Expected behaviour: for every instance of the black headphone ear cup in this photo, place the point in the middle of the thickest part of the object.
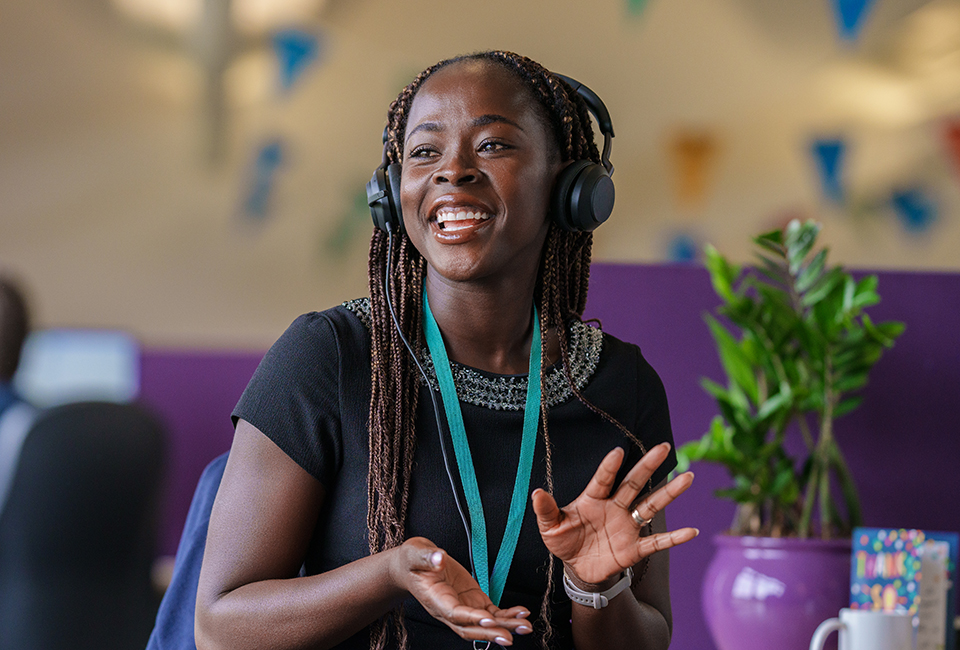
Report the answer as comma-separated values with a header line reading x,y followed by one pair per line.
x,y
393,174
584,196
383,192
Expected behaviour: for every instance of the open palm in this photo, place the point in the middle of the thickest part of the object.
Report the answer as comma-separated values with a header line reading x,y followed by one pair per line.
x,y
451,595
595,535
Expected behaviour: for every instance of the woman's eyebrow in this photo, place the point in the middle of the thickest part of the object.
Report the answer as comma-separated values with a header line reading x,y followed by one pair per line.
x,y
483,120
491,118
433,127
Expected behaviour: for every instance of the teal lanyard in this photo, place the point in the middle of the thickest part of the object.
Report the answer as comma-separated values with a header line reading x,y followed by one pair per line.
x,y
492,584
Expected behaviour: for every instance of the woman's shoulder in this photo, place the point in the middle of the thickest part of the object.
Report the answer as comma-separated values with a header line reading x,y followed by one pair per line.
x,y
315,337
349,319
625,356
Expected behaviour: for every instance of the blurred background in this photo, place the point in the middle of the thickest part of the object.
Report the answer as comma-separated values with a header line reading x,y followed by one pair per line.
x,y
179,179
192,171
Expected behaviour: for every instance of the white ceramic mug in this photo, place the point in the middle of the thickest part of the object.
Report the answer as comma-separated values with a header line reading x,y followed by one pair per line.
x,y
865,629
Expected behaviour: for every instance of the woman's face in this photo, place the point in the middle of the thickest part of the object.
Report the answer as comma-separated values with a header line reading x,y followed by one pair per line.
x,y
479,165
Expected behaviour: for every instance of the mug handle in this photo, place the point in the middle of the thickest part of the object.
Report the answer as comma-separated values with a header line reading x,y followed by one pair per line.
x,y
823,631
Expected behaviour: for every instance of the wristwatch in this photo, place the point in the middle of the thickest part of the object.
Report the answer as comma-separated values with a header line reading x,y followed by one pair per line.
x,y
596,599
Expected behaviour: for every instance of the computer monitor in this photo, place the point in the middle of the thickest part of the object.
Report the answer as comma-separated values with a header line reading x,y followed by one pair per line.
x,y
70,365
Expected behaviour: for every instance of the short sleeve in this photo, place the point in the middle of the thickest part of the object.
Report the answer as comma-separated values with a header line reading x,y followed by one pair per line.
x,y
643,408
653,416
293,396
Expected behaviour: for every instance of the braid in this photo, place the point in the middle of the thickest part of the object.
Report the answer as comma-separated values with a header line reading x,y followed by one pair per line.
x,y
561,294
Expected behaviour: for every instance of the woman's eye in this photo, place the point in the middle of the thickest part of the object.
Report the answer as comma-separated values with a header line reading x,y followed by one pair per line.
x,y
422,152
493,146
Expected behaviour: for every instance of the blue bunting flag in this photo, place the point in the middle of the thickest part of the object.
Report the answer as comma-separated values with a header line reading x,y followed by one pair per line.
x,y
682,248
915,208
296,50
829,154
850,15
269,158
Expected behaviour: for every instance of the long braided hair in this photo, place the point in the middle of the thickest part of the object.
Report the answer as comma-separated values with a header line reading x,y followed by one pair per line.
x,y
561,294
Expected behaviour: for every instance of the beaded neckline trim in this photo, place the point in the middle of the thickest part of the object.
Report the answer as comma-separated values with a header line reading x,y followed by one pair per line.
x,y
509,392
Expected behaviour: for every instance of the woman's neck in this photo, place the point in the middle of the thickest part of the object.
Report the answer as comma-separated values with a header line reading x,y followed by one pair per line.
x,y
487,327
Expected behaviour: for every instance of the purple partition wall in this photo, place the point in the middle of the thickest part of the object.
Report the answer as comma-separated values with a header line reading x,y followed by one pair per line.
x,y
903,444
194,393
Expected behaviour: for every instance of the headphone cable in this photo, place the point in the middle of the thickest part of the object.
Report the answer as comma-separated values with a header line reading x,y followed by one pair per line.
x,y
433,398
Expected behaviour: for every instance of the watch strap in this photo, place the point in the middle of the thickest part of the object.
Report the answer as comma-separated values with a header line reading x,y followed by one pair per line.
x,y
596,599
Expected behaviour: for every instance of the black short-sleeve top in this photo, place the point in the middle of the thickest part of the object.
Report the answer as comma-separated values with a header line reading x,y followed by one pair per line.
x,y
311,396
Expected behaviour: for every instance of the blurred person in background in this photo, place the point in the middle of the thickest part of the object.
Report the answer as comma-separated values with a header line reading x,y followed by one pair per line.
x,y
16,415
14,326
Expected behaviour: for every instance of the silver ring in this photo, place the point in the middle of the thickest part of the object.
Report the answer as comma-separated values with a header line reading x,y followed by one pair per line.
x,y
638,520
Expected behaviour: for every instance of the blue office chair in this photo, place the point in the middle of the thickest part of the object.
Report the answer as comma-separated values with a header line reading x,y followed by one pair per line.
x,y
174,628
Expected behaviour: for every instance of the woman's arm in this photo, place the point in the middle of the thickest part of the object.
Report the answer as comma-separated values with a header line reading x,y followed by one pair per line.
x,y
596,538
249,594
640,618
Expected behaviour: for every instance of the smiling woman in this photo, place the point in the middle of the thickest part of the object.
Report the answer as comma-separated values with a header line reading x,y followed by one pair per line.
x,y
336,524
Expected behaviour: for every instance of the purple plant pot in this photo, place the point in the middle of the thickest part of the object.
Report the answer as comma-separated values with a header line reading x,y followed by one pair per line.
x,y
765,593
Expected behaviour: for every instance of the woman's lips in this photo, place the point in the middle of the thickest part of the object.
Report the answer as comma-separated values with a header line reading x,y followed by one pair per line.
x,y
457,225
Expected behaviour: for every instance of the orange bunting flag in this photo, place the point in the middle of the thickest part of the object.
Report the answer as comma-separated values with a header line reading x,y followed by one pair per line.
x,y
694,154
952,135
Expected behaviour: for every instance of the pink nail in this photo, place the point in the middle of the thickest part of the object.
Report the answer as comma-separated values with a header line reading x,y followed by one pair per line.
x,y
487,622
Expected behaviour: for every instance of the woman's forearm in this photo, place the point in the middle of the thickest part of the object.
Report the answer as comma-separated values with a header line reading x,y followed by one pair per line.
x,y
624,623
310,612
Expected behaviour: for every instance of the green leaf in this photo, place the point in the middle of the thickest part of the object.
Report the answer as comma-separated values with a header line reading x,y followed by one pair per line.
x,y
847,405
849,291
778,402
851,382
735,362
866,294
782,481
772,241
722,273
812,272
800,240
827,283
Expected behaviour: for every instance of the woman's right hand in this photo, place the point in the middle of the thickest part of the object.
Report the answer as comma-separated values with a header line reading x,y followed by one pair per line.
x,y
451,595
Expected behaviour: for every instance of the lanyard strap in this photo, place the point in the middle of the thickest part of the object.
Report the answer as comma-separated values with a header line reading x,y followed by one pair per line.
x,y
491,584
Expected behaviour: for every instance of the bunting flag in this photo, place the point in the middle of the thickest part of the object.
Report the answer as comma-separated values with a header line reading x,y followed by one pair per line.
x,y
683,248
829,155
296,50
915,209
636,7
850,15
256,204
694,153
952,135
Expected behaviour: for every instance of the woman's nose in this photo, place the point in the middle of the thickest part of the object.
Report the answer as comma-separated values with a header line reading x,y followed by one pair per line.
x,y
457,169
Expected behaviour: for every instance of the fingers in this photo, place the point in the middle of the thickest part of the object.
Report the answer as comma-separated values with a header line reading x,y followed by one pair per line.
x,y
602,481
497,626
654,503
638,476
662,541
546,509
451,595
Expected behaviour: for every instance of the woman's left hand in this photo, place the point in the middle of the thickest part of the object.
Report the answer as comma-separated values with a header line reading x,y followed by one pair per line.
x,y
596,535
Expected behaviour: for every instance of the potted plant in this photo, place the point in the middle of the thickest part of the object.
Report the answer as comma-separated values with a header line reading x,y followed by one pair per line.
x,y
796,345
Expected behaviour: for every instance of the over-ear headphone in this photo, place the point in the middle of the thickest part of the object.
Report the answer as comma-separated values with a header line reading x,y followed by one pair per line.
x,y
582,199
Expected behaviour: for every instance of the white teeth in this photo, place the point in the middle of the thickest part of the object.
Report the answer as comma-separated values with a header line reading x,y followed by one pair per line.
x,y
444,216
